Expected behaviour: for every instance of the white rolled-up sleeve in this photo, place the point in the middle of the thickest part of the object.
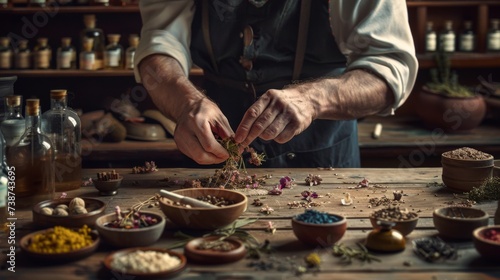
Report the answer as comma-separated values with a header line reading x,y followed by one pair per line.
x,y
375,35
166,29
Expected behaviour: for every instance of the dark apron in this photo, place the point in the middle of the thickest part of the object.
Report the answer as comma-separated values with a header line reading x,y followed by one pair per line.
x,y
240,68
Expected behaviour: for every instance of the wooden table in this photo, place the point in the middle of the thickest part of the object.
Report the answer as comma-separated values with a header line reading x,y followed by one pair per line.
x,y
421,195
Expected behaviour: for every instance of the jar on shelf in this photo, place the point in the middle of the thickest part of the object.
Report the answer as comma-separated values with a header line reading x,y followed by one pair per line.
x,y
130,52
66,55
63,127
37,3
113,55
467,38
447,37
42,54
88,57
430,38
493,37
14,125
97,35
99,2
22,55
6,89
33,159
5,53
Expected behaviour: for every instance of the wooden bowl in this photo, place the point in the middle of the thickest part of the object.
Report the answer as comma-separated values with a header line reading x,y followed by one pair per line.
x,y
208,256
126,238
161,274
405,227
58,257
95,209
458,222
323,235
205,218
108,187
463,174
486,247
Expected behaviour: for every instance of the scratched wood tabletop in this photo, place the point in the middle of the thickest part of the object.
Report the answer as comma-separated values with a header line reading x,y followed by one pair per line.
x,y
422,189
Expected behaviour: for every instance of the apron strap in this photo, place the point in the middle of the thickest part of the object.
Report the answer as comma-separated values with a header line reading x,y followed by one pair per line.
x,y
305,12
206,34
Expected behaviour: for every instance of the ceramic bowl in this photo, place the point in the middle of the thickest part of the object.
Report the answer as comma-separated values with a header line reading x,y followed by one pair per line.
x,y
496,168
209,256
58,257
486,247
145,131
205,218
459,222
169,273
109,187
404,227
126,238
462,174
95,209
322,235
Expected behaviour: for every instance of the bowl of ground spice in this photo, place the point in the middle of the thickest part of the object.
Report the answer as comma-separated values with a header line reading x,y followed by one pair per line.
x,y
458,222
487,241
229,206
214,250
317,228
466,168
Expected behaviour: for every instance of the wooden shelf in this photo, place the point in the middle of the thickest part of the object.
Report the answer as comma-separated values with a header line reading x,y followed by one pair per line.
x,y
462,60
450,3
79,73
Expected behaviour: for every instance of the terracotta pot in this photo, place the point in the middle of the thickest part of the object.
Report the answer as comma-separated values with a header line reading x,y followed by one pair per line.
x,y
462,174
451,114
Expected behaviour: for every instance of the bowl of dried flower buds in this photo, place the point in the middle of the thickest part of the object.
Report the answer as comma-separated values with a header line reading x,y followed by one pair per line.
x,y
229,205
458,222
130,228
404,220
487,241
317,228
108,182
68,212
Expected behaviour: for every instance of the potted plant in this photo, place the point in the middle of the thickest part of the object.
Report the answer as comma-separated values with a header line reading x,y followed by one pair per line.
x,y
445,104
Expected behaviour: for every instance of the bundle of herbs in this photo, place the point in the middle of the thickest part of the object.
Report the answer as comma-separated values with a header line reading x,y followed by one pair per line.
x,y
488,191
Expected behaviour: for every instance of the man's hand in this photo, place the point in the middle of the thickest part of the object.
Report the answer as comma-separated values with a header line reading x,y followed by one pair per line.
x,y
196,129
278,115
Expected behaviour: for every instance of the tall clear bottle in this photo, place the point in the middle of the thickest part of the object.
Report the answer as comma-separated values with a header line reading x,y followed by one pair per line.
x,y
33,159
493,37
133,41
447,37
22,55
113,55
14,125
66,55
467,38
91,31
62,125
5,54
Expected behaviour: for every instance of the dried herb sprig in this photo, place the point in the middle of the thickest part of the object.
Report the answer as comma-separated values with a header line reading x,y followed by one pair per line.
x,y
489,190
347,254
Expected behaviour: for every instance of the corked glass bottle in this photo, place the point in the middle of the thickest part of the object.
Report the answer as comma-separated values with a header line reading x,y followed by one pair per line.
x,y
130,52
14,125
97,36
113,55
42,54
22,55
33,160
66,55
62,125
5,54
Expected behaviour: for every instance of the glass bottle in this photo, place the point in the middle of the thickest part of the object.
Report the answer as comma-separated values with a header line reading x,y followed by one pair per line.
x,y
4,4
493,37
14,125
90,31
66,55
467,41
42,54
447,37
37,3
33,158
430,38
22,55
99,2
113,55
130,52
63,127
5,53
88,56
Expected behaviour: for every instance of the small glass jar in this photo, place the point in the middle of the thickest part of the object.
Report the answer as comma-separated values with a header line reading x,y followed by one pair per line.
x,y
5,54
113,55
66,55
42,54
88,57
99,2
22,55
37,3
130,52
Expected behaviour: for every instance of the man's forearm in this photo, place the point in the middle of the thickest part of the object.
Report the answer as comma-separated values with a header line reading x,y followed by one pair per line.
x,y
353,95
168,86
